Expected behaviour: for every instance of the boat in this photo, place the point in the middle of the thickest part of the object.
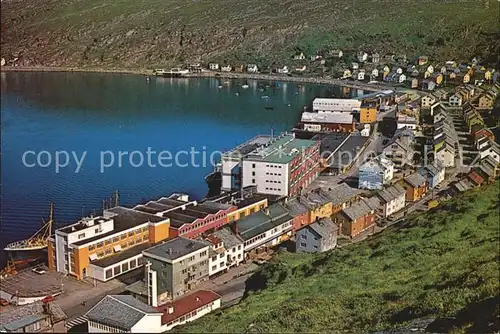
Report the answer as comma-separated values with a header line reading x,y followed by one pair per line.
x,y
244,86
265,97
269,108
220,86
173,73
237,94
31,250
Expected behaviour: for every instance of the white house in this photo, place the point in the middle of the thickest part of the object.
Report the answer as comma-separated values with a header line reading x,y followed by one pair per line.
x,y
427,101
299,56
233,245
355,66
283,70
399,70
213,66
300,69
226,68
375,73
492,150
455,100
430,69
361,75
252,68
392,199
402,78
362,56
375,173
123,313
405,121
216,256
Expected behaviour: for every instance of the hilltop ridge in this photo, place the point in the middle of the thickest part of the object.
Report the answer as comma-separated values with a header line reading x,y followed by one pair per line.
x,y
147,34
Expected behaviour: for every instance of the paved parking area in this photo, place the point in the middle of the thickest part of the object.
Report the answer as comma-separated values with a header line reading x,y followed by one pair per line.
x,y
27,284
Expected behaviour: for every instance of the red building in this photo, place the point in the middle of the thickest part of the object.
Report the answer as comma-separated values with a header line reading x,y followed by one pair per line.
x,y
357,218
188,218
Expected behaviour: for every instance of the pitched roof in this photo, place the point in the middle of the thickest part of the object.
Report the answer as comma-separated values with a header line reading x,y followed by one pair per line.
x,y
341,193
186,304
475,177
260,222
391,193
295,207
415,180
228,237
357,210
122,311
323,227
22,316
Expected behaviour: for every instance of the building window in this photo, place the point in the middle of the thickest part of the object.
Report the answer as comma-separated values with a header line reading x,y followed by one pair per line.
x,y
131,234
100,254
123,236
204,253
144,229
108,251
140,261
100,244
124,266
253,165
221,255
214,258
96,231
214,268
253,180
81,236
108,242
191,258
184,271
117,270
109,273
116,239
303,236
133,263
303,244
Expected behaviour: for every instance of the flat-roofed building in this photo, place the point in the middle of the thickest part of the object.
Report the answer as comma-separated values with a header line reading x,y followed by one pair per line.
x,y
232,162
328,122
331,104
283,166
74,249
188,218
176,267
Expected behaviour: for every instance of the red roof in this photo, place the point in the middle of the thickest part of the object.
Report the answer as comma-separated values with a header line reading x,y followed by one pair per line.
x,y
213,240
187,305
476,178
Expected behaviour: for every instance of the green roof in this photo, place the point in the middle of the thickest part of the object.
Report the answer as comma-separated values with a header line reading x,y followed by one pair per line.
x,y
260,222
281,149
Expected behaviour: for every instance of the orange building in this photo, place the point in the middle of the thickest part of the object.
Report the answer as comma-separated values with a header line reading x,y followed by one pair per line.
x,y
107,246
357,218
415,186
368,112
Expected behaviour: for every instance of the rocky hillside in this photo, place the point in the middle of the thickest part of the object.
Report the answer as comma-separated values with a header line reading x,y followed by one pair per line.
x,y
147,34
438,271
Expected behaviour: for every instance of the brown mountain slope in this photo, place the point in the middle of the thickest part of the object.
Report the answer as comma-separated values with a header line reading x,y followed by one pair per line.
x,y
139,34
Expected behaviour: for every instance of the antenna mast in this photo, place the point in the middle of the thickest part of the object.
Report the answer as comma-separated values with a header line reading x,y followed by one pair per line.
x,y
117,198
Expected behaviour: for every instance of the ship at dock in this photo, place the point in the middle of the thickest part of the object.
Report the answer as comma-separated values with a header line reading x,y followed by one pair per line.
x,y
172,73
31,251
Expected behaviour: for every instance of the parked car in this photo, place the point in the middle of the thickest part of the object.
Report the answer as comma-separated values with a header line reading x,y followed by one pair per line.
x,y
3,302
38,270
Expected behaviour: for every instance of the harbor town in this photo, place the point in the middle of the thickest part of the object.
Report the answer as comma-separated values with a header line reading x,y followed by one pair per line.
x,y
421,133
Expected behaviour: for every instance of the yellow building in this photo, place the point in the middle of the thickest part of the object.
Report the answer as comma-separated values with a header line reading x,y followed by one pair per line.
x,y
247,206
367,114
107,246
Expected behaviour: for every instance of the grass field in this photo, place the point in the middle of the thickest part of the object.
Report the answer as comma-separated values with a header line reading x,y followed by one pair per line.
x,y
147,34
441,264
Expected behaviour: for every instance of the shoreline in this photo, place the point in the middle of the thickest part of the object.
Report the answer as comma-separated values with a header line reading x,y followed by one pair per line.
x,y
210,74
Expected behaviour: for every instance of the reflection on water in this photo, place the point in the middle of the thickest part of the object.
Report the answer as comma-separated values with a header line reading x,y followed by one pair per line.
x,y
97,112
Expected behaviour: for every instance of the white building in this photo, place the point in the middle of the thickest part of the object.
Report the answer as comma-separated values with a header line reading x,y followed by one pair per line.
x,y
427,101
252,68
492,150
327,104
392,199
405,121
123,313
361,75
216,256
455,100
226,68
375,173
283,70
281,167
188,308
105,247
233,244
213,66
268,228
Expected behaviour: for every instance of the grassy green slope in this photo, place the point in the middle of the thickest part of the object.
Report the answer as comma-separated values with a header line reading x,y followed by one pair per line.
x,y
132,33
443,263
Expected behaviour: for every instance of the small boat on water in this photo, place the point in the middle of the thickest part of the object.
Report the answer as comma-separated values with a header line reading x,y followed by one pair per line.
x,y
269,108
237,94
265,97
245,86
220,86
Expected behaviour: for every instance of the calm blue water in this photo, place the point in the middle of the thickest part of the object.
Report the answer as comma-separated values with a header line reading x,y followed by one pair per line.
x,y
78,113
